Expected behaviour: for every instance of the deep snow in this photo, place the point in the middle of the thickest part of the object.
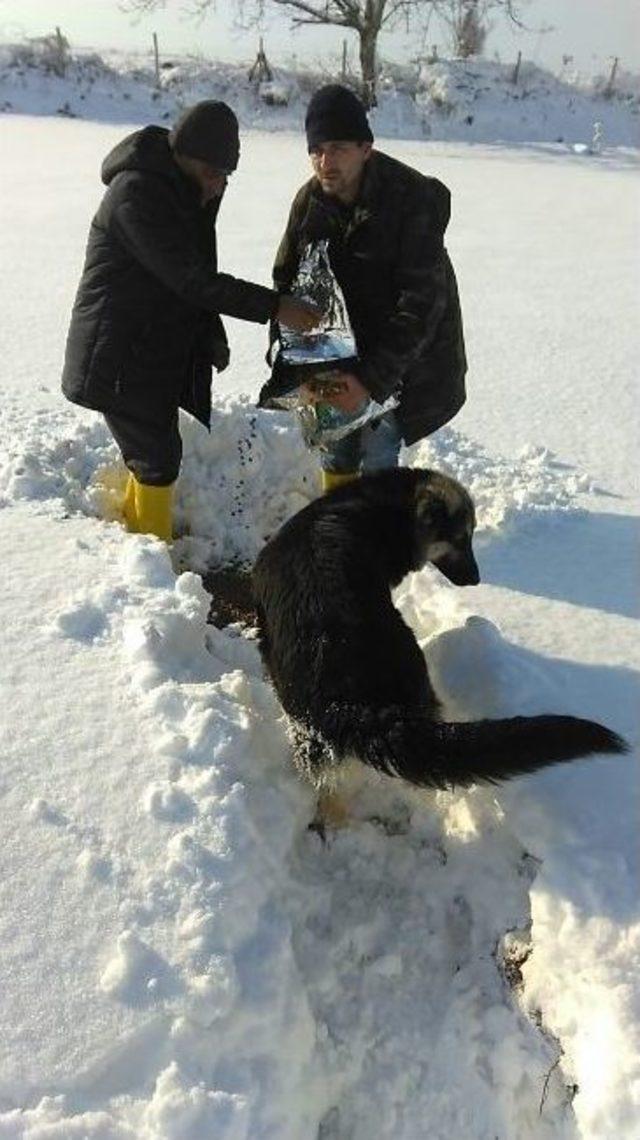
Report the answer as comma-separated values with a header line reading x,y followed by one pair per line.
x,y
180,957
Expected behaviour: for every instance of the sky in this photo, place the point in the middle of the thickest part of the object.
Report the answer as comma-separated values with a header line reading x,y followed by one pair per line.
x,y
593,32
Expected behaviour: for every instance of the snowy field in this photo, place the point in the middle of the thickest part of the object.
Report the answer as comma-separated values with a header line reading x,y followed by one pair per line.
x,y
180,958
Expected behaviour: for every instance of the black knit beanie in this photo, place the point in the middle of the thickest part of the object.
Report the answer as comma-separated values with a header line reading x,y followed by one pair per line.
x,y
208,131
336,114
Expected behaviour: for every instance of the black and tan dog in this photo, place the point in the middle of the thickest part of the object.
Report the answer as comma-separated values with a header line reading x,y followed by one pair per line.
x,y
346,667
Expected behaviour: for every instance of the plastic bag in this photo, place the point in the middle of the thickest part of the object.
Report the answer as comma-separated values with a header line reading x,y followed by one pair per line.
x,y
333,341
300,357
313,361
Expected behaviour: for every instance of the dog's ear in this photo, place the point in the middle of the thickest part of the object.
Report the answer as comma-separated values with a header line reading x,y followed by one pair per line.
x,y
431,511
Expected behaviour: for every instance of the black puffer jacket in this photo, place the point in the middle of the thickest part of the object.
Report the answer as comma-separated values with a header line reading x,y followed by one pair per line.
x,y
389,257
145,328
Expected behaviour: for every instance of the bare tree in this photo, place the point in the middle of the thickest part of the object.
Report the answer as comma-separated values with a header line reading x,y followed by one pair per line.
x,y
468,21
51,52
467,31
366,17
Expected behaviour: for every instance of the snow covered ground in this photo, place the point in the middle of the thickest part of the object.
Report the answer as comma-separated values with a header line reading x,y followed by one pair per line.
x,y
180,958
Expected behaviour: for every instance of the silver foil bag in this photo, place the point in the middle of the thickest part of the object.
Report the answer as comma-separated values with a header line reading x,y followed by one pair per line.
x,y
308,363
298,357
316,282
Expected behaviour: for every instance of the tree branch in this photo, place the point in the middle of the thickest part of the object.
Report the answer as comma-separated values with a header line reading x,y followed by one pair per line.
x,y
342,13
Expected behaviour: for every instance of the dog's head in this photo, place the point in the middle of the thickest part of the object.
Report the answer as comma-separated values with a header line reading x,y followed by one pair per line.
x,y
445,521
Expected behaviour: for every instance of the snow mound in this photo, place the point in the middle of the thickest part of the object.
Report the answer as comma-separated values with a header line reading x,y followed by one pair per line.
x,y
484,100
473,100
242,480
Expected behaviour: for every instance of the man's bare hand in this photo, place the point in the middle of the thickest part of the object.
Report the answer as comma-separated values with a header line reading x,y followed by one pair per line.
x,y
353,394
298,315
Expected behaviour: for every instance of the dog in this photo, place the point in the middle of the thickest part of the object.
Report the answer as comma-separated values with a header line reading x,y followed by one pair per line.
x,y
348,670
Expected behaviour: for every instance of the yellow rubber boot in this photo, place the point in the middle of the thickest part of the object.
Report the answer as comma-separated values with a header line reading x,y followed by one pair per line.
x,y
129,505
333,479
153,508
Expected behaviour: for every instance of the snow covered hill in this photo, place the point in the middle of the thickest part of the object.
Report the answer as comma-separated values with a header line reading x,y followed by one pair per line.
x,y
469,100
180,957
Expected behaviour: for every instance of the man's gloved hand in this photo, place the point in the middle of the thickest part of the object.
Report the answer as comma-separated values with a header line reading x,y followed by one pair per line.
x,y
220,355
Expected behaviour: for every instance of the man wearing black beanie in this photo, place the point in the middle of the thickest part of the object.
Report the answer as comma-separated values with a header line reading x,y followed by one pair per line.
x,y
384,223
145,329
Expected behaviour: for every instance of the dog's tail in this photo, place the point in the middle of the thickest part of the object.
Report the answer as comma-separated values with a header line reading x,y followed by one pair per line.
x,y
405,742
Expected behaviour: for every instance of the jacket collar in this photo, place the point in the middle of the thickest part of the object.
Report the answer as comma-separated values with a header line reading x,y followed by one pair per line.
x,y
373,190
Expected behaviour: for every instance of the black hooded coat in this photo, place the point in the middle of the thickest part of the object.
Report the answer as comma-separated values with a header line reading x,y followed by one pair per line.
x,y
389,257
145,328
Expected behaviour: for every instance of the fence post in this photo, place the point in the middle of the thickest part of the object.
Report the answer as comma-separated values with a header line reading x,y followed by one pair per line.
x,y
611,80
61,53
516,70
260,70
156,59
343,72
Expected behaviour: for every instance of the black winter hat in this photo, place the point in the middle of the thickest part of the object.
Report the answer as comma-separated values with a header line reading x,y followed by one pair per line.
x,y
335,113
208,131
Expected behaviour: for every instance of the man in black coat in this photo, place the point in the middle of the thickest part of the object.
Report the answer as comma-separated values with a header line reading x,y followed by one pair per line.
x,y
145,328
384,223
